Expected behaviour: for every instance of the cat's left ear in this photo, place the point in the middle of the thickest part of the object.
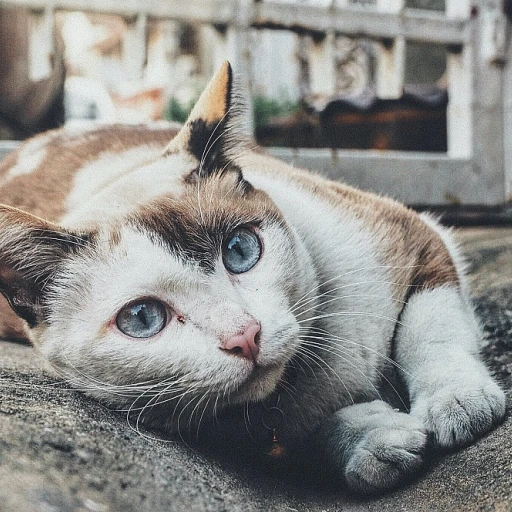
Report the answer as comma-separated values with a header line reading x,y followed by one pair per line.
x,y
32,252
209,134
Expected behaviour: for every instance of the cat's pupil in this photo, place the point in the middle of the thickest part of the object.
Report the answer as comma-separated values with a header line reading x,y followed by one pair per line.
x,y
142,319
140,313
242,251
235,244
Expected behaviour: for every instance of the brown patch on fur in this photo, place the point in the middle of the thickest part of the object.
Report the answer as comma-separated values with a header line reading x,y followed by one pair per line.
x,y
43,192
197,232
417,253
12,327
114,238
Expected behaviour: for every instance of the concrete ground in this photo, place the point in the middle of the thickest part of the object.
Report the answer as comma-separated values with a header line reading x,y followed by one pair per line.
x,y
62,452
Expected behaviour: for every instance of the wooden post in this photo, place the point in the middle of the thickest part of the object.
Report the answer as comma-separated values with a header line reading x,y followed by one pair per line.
x,y
487,141
507,116
42,46
391,58
322,66
459,69
134,47
233,43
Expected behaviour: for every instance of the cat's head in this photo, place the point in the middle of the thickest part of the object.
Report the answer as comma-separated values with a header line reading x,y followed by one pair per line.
x,y
187,299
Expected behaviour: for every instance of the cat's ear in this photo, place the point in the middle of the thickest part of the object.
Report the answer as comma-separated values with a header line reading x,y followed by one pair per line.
x,y
31,253
209,133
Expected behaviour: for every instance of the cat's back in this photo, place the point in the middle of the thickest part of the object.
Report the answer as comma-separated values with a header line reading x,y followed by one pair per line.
x,y
52,169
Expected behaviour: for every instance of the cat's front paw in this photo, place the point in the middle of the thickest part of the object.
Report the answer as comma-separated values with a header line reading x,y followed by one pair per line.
x,y
458,414
386,456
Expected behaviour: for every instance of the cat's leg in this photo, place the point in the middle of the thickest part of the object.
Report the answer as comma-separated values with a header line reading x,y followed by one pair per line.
x,y
451,390
373,446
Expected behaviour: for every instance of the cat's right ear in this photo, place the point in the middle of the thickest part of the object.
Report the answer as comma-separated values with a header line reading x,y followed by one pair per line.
x,y
209,135
32,251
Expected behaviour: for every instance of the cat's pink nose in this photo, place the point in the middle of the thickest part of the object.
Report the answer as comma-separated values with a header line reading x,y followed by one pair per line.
x,y
244,344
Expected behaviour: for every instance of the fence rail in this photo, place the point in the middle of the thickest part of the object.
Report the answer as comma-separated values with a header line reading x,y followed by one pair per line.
x,y
478,166
413,24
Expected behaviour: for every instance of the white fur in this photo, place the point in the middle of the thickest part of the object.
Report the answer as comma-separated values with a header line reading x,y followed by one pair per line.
x,y
29,159
451,390
345,251
106,189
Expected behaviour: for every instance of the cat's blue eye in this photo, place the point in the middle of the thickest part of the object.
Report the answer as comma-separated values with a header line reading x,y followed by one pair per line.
x,y
241,251
142,319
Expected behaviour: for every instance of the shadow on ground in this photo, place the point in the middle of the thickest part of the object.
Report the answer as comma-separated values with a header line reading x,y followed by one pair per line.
x,y
62,452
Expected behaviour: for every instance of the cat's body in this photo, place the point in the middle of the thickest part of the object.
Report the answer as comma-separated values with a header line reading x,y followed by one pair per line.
x,y
266,292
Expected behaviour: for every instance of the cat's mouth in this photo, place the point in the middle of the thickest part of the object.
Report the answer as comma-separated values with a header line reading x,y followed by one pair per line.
x,y
260,383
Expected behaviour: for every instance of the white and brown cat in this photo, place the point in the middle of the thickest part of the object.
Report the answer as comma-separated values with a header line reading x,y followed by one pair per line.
x,y
195,280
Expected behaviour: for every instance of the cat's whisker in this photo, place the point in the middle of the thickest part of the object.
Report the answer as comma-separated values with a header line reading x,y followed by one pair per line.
x,y
342,352
195,409
323,362
327,293
202,415
215,405
351,313
344,358
305,361
343,355
326,335
178,425
343,297
97,384
247,420
321,285
289,389
80,384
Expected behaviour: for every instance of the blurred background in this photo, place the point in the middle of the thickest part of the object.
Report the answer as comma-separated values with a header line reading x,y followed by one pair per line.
x,y
428,78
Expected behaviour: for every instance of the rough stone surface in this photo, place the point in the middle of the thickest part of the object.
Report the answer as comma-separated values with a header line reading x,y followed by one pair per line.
x,y
62,452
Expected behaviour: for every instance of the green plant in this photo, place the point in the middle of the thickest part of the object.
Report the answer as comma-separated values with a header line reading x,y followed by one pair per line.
x,y
264,108
176,111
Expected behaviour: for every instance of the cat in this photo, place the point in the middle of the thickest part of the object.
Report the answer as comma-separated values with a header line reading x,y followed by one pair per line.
x,y
199,284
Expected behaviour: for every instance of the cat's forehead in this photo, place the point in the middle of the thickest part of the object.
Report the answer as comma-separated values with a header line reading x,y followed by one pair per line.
x,y
195,225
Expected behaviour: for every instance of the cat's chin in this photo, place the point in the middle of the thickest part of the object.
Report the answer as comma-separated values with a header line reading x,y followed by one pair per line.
x,y
261,382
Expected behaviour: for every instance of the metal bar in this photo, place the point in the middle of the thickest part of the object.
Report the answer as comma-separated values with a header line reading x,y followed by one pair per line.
x,y
411,24
414,178
488,102
459,69
217,12
391,57
322,66
41,44
507,106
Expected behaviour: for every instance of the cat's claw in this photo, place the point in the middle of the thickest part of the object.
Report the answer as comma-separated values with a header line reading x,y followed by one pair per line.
x,y
385,457
458,414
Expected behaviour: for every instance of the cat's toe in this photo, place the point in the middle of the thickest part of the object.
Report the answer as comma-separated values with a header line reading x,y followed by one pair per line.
x,y
458,414
384,458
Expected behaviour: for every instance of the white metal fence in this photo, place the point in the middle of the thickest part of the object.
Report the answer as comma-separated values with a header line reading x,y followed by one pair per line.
x,y
477,169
